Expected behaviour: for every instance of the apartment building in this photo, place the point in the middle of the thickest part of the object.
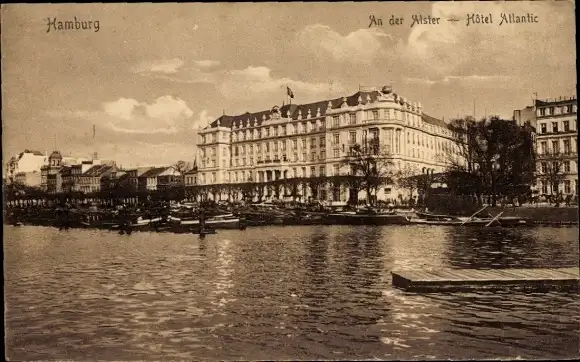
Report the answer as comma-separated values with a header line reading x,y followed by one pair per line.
x,y
309,140
556,141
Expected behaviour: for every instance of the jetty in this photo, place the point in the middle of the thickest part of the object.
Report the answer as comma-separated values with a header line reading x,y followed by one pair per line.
x,y
474,279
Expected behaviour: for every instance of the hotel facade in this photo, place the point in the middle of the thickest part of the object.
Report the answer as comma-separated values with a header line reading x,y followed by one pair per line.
x,y
310,140
556,141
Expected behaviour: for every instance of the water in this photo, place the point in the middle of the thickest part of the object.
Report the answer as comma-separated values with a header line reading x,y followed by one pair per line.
x,y
293,293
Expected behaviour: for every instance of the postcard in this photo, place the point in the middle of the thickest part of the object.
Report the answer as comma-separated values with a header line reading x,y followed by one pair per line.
x,y
290,181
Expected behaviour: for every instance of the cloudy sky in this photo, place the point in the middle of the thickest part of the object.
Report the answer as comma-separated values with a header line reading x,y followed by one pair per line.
x,y
154,73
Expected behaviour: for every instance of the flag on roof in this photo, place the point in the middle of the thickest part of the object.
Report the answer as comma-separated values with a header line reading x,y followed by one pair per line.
x,y
290,93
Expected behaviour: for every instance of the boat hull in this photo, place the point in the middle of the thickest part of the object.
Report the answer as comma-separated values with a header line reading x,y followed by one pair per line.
x,y
364,219
188,226
505,222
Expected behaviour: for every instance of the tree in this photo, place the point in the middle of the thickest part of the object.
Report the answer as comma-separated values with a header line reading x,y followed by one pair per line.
x,y
552,172
495,156
182,166
11,166
315,183
406,179
371,164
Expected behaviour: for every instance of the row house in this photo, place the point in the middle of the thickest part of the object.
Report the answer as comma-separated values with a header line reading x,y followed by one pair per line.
x,y
159,178
94,179
134,175
556,141
314,139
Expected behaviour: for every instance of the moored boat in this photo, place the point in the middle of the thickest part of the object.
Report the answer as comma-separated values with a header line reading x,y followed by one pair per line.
x,y
367,217
434,219
192,223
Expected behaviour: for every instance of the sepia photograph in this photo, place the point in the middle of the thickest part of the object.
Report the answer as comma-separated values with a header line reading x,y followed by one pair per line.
x,y
290,181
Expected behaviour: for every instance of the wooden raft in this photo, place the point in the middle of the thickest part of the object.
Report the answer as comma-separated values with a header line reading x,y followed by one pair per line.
x,y
461,279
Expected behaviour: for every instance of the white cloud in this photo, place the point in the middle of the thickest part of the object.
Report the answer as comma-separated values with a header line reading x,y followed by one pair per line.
x,y
203,120
177,70
206,63
454,48
161,116
258,81
469,80
245,83
360,46
165,66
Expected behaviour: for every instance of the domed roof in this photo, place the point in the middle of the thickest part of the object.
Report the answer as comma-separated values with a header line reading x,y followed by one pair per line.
x,y
387,89
55,154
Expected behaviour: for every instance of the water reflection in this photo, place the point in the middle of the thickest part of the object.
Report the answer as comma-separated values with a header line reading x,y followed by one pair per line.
x,y
494,247
281,292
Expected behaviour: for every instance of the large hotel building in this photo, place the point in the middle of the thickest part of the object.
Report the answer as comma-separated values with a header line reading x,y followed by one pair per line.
x,y
309,140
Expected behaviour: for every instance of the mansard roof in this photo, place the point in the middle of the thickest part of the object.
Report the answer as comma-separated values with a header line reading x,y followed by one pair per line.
x,y
97,170
434,121
556,101
154,172
293,110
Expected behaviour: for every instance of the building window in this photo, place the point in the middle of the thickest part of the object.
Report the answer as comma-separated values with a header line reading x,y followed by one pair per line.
x,y
303,156
275,146
555,127
322,171
322,154
567,189
312,171
322,141
566,126
267,132
336,170
283,145
267,146
312,143
551,110
544,187
543,128
556,147
294,144
303,143
567,146
313,157
336,138
543,147
542,111
335,121
375,115
352,137
295,157
352,118
336,153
